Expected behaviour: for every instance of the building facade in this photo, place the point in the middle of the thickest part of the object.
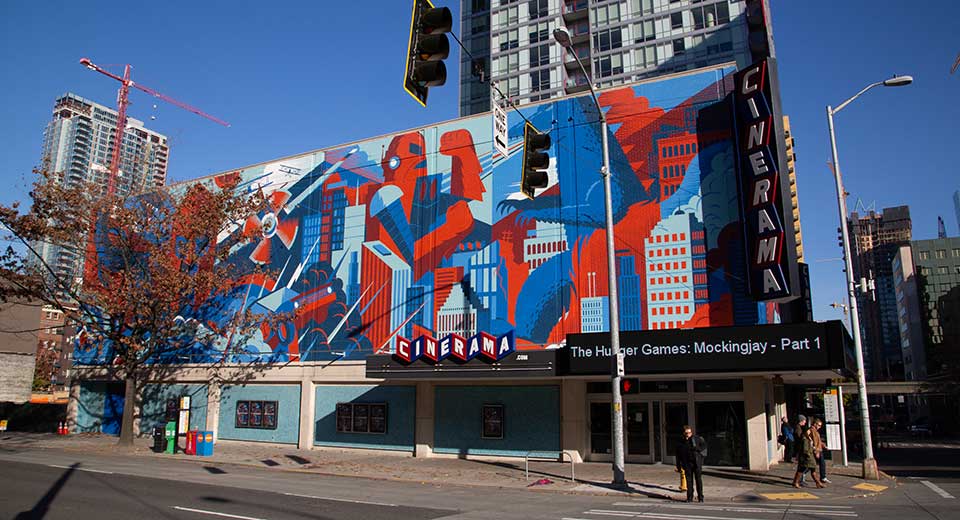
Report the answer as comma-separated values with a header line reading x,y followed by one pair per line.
x,y
78,144
792,174
910,314
956,208
876,238
19,322
937,265
442,256
510,43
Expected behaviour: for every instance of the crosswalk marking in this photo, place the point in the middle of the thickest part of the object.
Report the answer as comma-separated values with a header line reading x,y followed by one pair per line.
x,y
809,509
936,489
667,510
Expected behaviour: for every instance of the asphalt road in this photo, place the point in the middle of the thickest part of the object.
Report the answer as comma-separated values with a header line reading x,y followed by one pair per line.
x,y
54,484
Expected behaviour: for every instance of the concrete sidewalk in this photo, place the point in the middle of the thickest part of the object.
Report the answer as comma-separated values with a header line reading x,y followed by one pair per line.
x,y
646,480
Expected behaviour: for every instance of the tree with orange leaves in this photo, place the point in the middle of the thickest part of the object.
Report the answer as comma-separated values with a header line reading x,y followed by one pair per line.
x,y
155,289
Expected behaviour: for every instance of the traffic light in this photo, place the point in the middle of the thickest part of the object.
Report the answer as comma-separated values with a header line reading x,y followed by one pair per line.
x,y
535,160
758,31
629,385
427,47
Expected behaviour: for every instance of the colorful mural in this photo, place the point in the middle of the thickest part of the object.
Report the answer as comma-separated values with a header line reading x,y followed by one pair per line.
x,y
426,231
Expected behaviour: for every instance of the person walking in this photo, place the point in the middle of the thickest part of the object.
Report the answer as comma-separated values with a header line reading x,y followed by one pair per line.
x,y
690,454
821,450
808,460
798,433
786,433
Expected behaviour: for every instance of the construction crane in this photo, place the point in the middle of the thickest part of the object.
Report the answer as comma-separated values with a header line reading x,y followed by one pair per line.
x,y
122,102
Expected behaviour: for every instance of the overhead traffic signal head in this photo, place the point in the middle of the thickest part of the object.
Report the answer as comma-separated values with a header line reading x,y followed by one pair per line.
x,y
758,31
535,160
427,47
629,385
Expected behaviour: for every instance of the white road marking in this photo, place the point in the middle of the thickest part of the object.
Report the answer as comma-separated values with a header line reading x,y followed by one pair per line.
x,y
809,509
215,513
936,489
665,516
342,500
80,469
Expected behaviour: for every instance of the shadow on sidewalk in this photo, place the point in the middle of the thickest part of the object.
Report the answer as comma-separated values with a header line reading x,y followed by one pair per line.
x,y
566,478
744,476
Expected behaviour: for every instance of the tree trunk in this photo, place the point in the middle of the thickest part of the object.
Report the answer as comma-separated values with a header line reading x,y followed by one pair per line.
x,y
129,403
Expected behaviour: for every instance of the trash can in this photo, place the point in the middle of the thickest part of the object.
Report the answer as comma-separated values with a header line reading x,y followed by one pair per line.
x,y
191,446
159,439
170,432
205,448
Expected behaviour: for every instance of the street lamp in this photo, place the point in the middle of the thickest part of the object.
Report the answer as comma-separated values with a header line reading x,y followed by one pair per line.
x,y
870,470
562,36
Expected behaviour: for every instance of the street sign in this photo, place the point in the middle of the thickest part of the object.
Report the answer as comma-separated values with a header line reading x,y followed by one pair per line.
x,y
499,127
831,406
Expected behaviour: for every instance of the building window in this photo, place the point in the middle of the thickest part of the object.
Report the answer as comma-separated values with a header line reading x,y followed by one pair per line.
x,y
606,40
538,8
606,15
678,47
924,255
492,421
257,414
362,418
508,40
643,31
941,253
610,65
539,32
539,55
676,20
539,80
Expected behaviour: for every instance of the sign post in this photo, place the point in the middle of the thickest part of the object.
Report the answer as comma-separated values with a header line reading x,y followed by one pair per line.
x,y
831,416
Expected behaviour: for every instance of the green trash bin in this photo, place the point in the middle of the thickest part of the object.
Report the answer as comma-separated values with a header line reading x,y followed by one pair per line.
x,y
170,432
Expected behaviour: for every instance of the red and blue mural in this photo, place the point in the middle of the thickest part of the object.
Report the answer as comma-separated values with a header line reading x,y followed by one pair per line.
x,y
426,232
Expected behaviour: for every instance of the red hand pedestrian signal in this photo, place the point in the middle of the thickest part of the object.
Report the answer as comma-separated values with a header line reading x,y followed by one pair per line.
x,y
629,386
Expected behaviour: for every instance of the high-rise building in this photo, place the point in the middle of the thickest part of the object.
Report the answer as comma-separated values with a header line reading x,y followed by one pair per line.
x,y
791,172
78,144
938,284
875,240
510,44
910,315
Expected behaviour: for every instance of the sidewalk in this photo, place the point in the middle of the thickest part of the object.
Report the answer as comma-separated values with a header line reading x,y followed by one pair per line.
x,y
646,480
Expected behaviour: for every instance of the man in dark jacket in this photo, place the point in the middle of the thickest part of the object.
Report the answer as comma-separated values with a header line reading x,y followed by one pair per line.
x,y
798,434
786,434
690,454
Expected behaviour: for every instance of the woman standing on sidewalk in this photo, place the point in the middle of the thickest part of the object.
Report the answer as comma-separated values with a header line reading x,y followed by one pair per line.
x,y
807,460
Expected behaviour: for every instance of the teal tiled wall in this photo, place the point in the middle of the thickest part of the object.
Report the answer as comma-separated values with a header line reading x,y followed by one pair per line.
x,y
401,413
288,413
531,420
90,406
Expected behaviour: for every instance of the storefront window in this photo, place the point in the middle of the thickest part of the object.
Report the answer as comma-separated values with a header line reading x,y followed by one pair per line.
x,y
361,418
492,417
723,426
256,414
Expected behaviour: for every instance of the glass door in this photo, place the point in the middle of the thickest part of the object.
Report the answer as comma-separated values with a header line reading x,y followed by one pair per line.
x,y
600,430
638,432
675,416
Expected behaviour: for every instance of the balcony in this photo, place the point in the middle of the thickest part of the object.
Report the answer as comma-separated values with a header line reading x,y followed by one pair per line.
x,y
575,10
583,52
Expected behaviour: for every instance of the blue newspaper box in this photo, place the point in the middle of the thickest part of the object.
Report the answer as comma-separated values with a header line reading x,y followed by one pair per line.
x,y
205,443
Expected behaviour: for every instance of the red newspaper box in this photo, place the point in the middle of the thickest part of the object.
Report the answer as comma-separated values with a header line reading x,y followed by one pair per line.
x,y
191,447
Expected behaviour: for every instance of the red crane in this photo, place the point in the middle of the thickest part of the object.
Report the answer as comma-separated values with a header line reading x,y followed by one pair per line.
x,y
122,102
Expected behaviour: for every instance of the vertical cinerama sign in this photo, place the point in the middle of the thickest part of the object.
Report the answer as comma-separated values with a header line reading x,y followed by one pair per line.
x,y
770,246
425,233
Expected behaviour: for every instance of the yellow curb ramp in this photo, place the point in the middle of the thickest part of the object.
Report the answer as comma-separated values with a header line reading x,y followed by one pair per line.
x,y
876,488
789,496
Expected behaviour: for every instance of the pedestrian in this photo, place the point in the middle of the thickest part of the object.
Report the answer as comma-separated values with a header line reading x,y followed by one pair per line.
x,y
798,432
821,449
787,439
807,460
690,454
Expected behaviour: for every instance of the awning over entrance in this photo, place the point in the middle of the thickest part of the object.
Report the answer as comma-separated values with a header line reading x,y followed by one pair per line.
x,y
758,348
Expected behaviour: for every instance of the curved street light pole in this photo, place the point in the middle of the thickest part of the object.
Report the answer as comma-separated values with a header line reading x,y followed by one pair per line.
x,y
870,470
562,36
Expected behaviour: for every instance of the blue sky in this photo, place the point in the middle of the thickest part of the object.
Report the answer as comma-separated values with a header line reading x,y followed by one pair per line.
x,y
297,76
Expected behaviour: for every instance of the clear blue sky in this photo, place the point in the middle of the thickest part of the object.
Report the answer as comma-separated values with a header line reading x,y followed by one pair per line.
x,y
296,76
